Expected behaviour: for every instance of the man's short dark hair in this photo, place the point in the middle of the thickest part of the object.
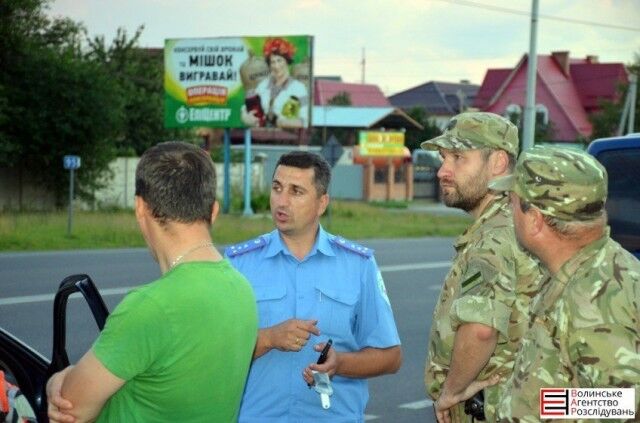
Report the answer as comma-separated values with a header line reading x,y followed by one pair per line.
x,y
306,160
177,181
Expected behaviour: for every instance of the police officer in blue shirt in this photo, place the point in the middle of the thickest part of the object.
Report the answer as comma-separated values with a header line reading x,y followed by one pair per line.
x,y
312,286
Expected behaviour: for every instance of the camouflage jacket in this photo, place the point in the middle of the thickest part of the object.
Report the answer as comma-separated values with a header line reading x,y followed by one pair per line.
x,y
492,282
584,331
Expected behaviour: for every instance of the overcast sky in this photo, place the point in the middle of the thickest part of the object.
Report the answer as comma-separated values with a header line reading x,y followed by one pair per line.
x,y
406,42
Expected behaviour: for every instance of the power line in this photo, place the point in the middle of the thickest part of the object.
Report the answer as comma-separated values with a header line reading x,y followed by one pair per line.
x,y
549,17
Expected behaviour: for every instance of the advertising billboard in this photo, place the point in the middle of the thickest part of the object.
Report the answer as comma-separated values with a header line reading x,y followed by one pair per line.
x,y
238,82
381,143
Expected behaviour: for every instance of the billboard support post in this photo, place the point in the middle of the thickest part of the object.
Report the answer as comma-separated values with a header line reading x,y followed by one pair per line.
x,y
226,150
248,211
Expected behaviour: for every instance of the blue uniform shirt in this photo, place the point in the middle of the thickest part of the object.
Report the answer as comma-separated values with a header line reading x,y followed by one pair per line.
x,y
339,285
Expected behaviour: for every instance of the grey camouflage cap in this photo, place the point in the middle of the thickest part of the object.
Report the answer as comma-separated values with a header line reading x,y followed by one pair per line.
x,y
475,130
566,184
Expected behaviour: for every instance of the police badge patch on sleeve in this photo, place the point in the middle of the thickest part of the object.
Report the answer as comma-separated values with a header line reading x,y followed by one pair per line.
x,y
382,288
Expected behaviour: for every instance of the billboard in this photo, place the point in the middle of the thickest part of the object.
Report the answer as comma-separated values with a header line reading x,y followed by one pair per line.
x,y
238,82
381,143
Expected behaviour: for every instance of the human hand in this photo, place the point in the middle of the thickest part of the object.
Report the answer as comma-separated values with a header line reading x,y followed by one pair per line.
x,y
330,366
292,334
448,400
249,118
58,407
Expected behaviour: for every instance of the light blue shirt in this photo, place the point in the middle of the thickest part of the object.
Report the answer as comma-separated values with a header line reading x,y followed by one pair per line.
x,y
339,285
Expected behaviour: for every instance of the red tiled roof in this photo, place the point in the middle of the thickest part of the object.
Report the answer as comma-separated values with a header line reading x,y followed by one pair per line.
x,y
361,95
569,97
490,85
563,91
597,81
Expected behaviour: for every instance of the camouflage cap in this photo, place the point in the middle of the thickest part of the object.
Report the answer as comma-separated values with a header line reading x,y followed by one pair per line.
x,y
566,184
475,130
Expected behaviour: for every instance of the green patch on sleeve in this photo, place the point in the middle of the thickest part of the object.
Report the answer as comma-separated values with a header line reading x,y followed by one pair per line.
x,y
471,282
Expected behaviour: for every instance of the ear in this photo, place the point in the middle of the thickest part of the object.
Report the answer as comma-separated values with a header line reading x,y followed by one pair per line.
x,y
535,221
140,207
499,162
324,203
215,209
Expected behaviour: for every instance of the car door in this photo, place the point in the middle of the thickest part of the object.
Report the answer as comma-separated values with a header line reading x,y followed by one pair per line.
x,y
621,157
27,369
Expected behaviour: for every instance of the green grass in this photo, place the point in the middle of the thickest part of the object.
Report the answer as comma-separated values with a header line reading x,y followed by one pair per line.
x,y
48,231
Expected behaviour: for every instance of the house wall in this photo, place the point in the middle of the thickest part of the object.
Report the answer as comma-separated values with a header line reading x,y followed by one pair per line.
x,y
346,183
120,191
346,178
391,189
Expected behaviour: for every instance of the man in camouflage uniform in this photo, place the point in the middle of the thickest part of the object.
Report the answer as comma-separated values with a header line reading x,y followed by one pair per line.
x,y
483,308
584,329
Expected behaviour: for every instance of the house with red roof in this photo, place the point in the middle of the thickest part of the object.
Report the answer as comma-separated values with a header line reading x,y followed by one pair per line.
x,y
361,95
567,91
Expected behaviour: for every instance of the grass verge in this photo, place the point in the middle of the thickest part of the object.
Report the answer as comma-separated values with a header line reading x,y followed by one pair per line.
x,y
48,231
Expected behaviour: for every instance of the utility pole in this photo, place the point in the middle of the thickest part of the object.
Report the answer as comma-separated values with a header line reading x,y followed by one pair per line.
x,y
629,107
633,92
363,63
528,132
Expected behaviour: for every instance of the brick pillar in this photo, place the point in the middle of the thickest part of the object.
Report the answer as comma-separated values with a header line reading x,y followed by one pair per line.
x,y
390,178
409,181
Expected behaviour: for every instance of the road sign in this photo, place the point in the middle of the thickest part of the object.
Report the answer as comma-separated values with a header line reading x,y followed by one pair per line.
x,y
71,162
332,151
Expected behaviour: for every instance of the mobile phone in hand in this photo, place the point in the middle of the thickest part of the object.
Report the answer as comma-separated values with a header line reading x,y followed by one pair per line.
x,y
325,352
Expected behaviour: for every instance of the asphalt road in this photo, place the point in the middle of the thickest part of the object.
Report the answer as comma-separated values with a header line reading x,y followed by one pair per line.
x,y
413,270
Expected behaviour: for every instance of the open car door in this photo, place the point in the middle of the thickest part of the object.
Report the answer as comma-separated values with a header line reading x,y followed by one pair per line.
x,y
28,370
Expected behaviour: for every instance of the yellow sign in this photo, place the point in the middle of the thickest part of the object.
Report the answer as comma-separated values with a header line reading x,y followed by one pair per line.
x,y
378,143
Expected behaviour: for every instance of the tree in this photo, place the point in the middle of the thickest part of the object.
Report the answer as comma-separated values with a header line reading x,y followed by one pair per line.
x,y
342,98
53,101
414,137
139,76
605,123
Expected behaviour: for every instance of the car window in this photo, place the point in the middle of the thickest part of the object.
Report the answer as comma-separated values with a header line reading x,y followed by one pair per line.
x,y
623,202
14,406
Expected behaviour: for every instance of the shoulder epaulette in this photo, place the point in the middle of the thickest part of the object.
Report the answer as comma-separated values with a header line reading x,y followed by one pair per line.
x,y
245,247
352,246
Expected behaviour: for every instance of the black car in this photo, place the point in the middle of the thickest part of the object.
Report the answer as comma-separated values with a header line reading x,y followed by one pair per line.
x,y
26,369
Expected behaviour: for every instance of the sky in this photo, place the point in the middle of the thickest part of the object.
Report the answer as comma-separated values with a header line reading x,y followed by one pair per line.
x,y
405,42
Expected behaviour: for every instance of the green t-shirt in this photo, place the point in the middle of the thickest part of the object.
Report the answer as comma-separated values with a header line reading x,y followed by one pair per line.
x,y
183,343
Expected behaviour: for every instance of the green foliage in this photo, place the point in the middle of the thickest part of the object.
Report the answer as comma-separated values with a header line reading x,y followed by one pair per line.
x,y
259,200
390,204
605,123
53,101
543,132
117,229
237,156
343,98
62,93
138,74
413,137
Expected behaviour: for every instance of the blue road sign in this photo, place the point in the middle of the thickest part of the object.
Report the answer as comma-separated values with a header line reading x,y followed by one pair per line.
x,y
71,162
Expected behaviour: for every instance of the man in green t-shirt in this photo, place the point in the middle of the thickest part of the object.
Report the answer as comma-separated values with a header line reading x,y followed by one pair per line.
x,y
178,348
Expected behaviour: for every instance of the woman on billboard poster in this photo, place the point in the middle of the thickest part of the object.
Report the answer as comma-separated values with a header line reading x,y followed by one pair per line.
x,y
278,100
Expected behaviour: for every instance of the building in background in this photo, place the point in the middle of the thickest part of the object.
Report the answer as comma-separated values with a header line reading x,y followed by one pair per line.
x,y
567,92
330,91
441,100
